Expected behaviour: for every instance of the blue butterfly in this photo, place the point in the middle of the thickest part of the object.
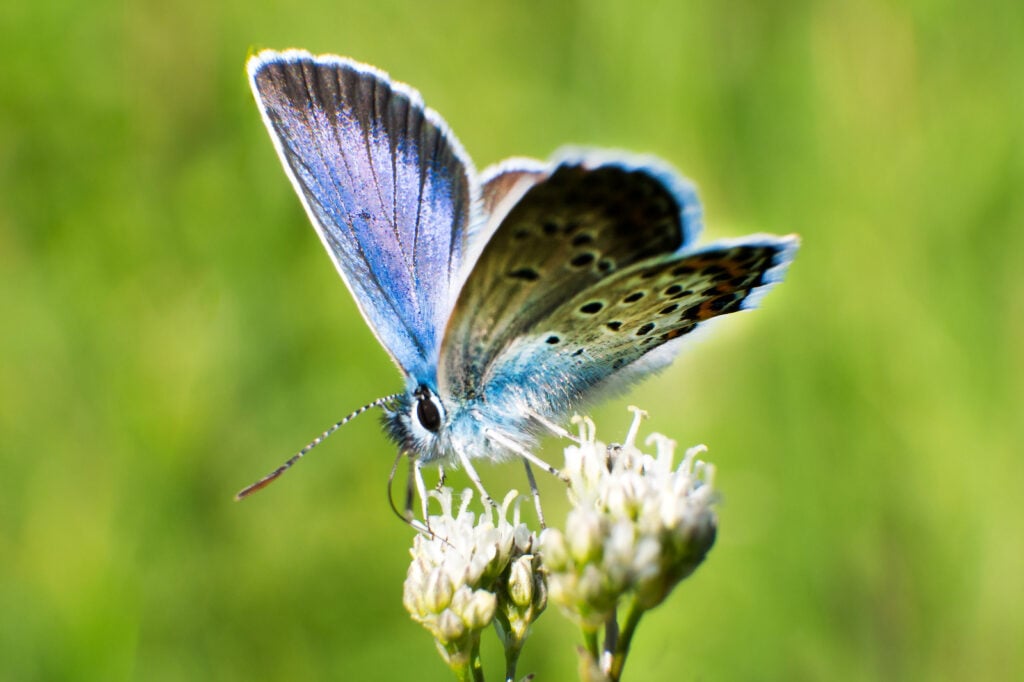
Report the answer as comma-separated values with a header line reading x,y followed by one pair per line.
x,y
507,298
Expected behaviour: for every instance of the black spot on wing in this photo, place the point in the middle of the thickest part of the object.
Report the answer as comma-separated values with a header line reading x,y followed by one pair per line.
x,y
582,260
634,297
525,274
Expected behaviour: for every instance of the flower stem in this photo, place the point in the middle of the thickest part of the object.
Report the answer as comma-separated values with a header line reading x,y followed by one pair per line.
x,y
590,640
511,660
611,632
475,664
625,638
466,665
462,668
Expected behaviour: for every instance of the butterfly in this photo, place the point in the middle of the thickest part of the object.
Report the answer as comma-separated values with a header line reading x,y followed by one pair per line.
x,y
507,298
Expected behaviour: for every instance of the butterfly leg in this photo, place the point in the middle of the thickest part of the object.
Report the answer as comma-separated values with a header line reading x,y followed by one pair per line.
x,y
553,427
475,478
524,453
536,494
441,477
416,475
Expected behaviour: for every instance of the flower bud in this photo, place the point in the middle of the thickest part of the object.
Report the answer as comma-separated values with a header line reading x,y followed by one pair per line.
x,y
553,549
438,591
585,535
520,583
479,611
450,627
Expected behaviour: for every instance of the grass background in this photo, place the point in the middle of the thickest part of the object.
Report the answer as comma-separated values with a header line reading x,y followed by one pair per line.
x,y
172,330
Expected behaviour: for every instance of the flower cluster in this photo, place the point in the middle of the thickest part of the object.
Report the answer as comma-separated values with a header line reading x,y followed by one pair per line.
x,y
638,525
470,571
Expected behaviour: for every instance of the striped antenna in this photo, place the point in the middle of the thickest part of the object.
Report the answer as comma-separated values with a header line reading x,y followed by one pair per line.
x,y
272,476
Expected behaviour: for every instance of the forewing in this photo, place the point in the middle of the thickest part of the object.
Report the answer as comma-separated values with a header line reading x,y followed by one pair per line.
x,y
387,187
582,221
611,334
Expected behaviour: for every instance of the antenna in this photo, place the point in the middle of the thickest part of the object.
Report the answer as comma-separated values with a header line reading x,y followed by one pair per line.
x,y
272,476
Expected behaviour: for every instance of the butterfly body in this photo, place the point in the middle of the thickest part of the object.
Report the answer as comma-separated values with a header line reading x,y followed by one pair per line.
x,y
461,429
510,298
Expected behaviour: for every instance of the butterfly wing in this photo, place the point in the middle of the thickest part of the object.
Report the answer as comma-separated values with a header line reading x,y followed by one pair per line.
x,y
386,185
580,221
588,273
630,324
503,184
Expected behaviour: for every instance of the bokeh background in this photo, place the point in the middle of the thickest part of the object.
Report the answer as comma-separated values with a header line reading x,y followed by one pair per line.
x,y
172,330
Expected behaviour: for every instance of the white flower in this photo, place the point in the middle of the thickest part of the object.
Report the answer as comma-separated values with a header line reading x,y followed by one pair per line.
x,y
638,524
469,570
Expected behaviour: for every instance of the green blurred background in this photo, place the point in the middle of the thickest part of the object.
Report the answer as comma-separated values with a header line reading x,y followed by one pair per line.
x,y
172,330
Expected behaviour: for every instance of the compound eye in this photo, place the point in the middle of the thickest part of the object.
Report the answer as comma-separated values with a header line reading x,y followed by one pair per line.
x,y
428,414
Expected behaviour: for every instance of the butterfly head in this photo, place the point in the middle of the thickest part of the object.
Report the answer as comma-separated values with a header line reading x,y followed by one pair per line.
x,y
418,421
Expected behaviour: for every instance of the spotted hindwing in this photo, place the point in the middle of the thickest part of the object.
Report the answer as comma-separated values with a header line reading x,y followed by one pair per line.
x,y
580,225
600,332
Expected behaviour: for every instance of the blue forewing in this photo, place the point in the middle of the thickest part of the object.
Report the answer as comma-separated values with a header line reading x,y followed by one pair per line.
x,y
387,187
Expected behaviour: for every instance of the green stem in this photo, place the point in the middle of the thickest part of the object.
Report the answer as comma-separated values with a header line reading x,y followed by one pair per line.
x,y
590,658
475,663
590,640
462,669
511,660
466,665
625,638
